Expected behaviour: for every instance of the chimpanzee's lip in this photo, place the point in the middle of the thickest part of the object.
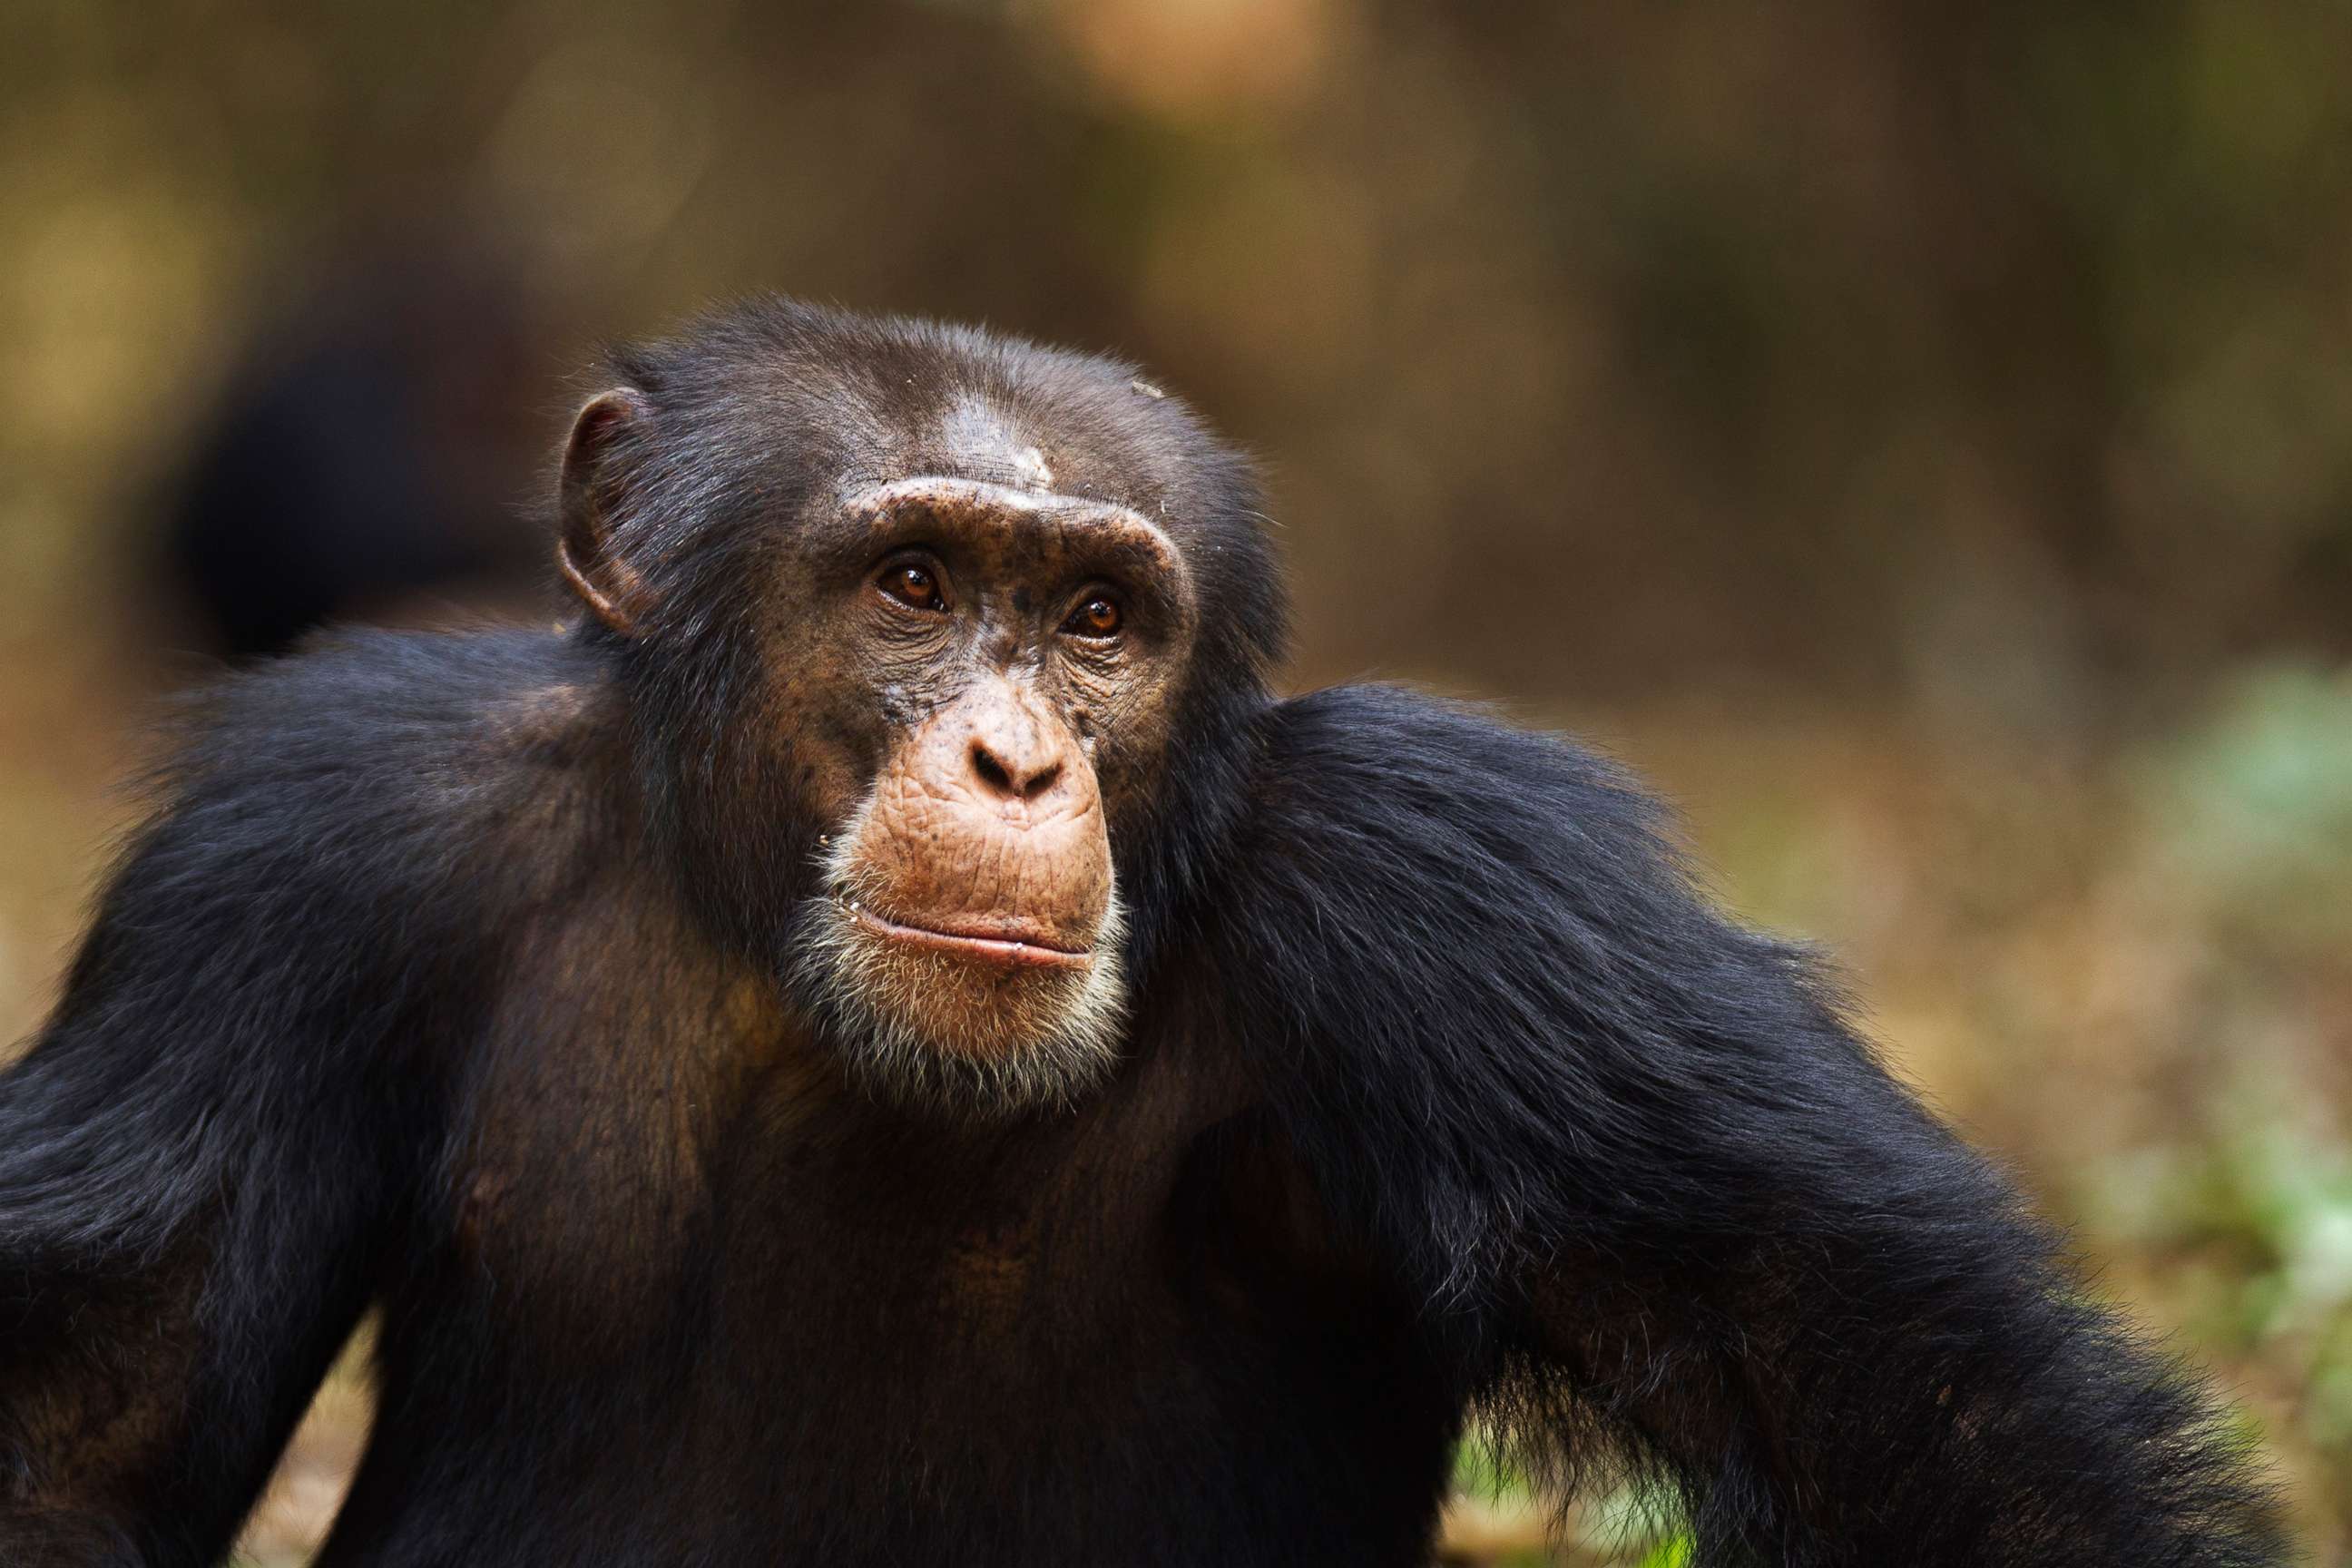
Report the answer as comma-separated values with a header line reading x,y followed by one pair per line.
x,y
1017,946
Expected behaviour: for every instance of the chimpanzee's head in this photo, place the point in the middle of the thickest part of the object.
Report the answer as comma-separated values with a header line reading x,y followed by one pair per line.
x,y
942,652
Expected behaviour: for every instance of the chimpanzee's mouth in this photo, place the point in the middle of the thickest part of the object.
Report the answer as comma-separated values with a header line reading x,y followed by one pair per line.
x,y
1014,944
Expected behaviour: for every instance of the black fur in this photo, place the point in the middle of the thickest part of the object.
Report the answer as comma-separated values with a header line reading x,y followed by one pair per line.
x,y
1667,1210
436,982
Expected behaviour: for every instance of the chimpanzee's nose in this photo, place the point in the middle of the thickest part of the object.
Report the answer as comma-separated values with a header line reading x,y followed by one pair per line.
x,y
1016,759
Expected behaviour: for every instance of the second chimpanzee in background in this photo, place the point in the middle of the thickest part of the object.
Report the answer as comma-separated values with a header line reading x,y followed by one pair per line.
x,y
885,1044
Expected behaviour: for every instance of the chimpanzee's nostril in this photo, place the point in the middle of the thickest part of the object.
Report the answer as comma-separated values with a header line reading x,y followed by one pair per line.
x,y
991,771
1013,783
1041,781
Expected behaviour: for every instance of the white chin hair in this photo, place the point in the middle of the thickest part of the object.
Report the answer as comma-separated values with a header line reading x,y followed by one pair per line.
x,y
928,1029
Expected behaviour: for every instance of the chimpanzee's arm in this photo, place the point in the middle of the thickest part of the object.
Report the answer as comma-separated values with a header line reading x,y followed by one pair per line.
x,y
204,1148
1667,1210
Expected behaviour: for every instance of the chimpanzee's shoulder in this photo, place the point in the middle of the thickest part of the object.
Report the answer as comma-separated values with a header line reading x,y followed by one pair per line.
x,y
411,707
388,757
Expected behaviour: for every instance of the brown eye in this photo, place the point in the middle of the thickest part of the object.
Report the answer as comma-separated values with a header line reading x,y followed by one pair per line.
x,y
1098,618
912,586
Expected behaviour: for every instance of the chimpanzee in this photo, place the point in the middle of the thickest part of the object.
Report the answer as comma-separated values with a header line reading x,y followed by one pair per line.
x,y
884,1043
361,457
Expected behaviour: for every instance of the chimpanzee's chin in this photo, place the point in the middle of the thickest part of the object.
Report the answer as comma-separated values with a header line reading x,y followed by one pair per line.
x,y
946,1033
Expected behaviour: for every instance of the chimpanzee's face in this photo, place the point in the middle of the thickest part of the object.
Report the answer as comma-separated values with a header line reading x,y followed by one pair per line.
x,y
990,687
913,631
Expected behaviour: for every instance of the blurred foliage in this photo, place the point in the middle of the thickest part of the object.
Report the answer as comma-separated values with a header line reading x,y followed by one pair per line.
x,y
2253,812
1918,435
1497,1518
2248,845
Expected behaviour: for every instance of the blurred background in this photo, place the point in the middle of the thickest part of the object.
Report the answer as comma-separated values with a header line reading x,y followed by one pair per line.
x,y
1919,437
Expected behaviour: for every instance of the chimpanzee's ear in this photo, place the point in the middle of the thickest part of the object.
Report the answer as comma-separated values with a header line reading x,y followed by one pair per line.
x,y
595,483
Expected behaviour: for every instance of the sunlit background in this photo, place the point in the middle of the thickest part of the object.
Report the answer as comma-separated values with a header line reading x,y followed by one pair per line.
x,y
1920,437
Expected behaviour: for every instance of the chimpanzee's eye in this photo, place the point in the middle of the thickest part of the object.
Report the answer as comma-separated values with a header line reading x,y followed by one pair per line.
x,y
912,586
1098,618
